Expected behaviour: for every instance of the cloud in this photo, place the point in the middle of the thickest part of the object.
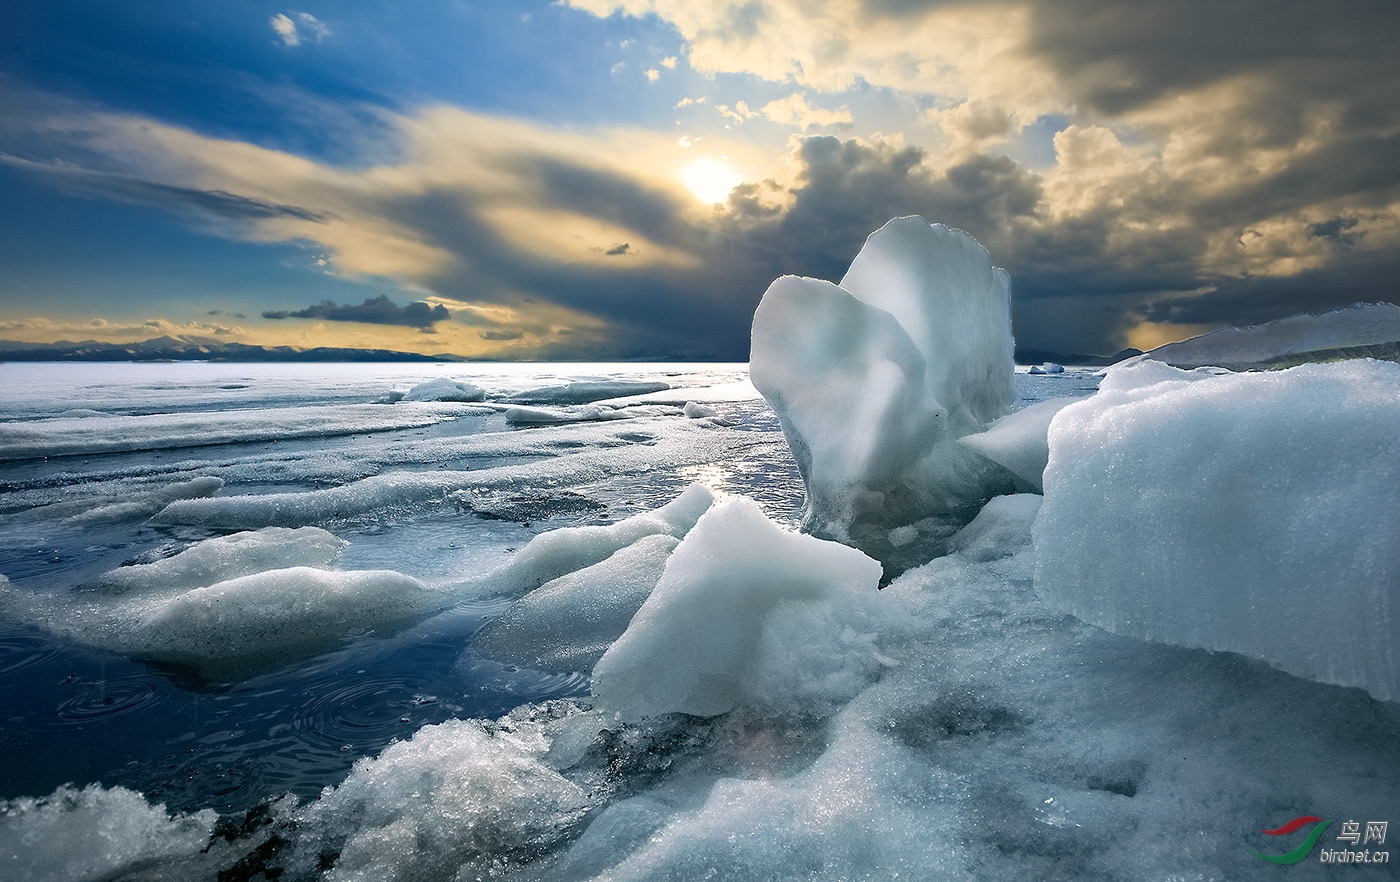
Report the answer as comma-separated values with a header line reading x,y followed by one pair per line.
x,y
375,311
738,113
1129,186
794,111
292,28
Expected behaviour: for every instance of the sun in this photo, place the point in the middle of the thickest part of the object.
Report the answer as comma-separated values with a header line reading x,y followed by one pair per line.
x,y
711,180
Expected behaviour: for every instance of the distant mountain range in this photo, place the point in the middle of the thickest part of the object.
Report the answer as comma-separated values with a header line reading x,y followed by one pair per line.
x,y
1363,330
191,348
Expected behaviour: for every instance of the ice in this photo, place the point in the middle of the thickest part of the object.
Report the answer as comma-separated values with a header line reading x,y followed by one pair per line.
x,y
92,834
229,605
543,416
136,506
1001,739
559,552
455,801
598,456
1361,330
586,391
955,724
226,557
1253,513
1019,441
694,410
941,287
746,613
70,436
1002,528
874,379
1048,367
266,617
444,389
568,623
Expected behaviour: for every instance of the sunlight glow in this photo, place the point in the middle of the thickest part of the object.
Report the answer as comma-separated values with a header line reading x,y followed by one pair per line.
x,y
711,180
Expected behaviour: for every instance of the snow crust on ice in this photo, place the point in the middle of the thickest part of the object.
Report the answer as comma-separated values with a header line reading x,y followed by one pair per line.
x,y
569,622
1253,513
444,389
1360,330
874,379
745,613
455,801
92,834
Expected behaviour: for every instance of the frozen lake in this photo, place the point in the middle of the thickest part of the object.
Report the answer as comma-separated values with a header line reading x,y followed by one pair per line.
x,y
991,736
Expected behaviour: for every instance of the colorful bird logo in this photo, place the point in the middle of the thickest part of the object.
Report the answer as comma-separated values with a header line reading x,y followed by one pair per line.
x,y
1304,849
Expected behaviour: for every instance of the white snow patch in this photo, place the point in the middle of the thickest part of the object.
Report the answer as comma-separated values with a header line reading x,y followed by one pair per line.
x,y
453,802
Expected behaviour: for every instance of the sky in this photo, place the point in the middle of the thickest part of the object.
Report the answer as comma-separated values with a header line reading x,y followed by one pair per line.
x,y
595,179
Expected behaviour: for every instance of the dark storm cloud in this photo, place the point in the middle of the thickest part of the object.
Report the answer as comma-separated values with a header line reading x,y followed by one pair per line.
x,y
608,196
1122,54
1252,301
216,203
375,311
849,189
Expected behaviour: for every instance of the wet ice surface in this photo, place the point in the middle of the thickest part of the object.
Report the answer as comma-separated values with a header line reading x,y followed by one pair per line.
x,y
954,725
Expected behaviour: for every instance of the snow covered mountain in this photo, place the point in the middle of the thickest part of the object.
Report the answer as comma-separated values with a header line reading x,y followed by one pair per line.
x,y
1363,330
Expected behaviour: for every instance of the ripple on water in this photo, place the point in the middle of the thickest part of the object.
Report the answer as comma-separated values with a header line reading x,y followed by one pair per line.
x,y
104,699
364,714
19,651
